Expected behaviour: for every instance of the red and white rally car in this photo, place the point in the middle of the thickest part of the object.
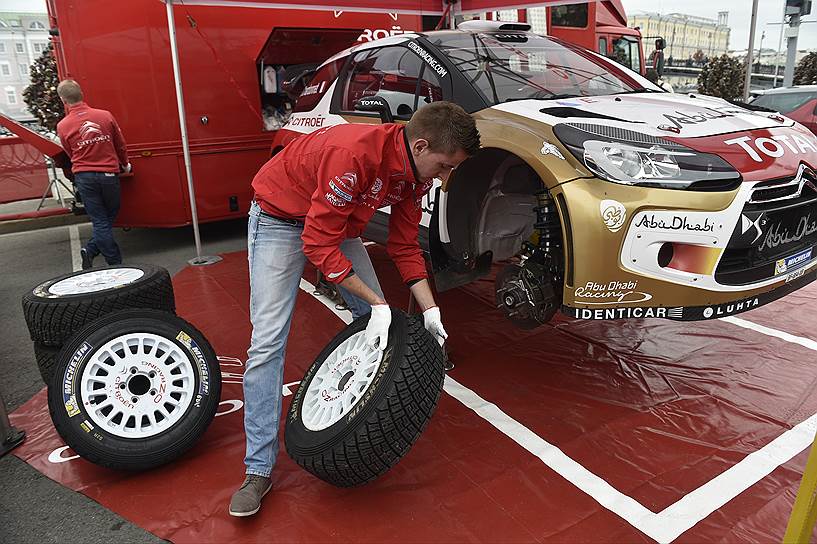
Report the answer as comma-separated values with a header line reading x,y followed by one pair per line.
x,y
605,196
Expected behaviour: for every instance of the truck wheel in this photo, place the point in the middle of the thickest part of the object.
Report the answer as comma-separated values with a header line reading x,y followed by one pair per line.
x,y
356,414
46,360
57,308
134,389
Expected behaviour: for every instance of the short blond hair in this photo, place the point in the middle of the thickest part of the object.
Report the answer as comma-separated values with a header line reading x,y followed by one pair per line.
x,y
70,91
446,126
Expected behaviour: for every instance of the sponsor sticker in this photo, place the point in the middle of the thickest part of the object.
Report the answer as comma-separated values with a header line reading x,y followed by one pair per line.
x,y
71,406
613,213
796,274
334,200
377,186
776,146
430,60
627,313
675,222
306,121
613,292
201,363
340,192
778,234
550,149
730,308
69,399
790,263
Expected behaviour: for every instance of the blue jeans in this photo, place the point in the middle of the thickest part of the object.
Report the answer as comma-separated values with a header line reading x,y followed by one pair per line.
x,y
100,194
276,261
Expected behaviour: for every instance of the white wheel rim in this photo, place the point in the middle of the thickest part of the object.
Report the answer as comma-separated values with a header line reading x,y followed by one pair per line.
x,y
137,385
96,280
341,381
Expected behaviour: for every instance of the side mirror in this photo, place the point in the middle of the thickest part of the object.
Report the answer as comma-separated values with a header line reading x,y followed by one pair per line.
x,y
375,104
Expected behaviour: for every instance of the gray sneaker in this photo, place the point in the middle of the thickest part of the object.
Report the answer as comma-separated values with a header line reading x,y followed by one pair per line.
x,y
247,500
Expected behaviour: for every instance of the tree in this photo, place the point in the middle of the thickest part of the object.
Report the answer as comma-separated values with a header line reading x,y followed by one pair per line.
x,y
806,71
41,95
723,77
698,57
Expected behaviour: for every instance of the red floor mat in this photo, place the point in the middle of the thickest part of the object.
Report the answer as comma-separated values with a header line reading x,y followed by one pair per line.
x,y
653,408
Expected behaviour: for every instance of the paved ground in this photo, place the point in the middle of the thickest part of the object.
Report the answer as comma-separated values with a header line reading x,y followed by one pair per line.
x,y
32,507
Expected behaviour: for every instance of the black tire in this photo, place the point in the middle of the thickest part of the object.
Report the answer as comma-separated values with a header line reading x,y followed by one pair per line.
x,y
46,360
53,317
384,423
87,425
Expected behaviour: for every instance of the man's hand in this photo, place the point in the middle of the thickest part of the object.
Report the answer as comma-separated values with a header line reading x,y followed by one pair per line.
x,y
377,331
127,168
434,325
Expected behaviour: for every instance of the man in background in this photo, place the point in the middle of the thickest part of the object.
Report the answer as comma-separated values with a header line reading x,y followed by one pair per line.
x,y
94,143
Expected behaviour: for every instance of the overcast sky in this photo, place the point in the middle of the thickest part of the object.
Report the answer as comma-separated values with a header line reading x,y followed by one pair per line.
x,y
740,17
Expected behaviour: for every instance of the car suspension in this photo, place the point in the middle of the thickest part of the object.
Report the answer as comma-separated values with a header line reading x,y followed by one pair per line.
x,y
530,292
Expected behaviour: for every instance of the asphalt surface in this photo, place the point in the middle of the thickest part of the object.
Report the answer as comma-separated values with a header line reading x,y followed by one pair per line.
x,y
32,507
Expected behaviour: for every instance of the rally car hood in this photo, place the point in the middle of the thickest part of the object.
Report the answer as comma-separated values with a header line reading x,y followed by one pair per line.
x,y
660,114
759,145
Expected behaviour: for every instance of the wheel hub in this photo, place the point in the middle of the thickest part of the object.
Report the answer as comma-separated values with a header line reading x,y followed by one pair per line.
x,y
341,381
137,385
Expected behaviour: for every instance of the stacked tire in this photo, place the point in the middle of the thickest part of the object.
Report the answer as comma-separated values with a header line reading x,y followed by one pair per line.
x,y
131,385
56,309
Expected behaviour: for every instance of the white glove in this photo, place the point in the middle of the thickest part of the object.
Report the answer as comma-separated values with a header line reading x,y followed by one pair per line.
x,y
377,331
127,169
433,324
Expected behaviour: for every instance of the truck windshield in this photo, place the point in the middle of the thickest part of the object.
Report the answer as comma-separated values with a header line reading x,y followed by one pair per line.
x,y
626,53
509,66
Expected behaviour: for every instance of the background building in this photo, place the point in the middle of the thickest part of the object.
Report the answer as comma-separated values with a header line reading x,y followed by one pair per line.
x,y
23,36
684,34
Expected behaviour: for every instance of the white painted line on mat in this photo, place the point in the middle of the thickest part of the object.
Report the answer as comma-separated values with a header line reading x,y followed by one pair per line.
x,y
805,342
76,259
677,518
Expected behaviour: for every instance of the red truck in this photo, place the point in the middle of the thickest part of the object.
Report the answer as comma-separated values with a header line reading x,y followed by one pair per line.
x,y
233,61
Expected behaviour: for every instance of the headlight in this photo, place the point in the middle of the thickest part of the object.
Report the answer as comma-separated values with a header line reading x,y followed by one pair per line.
x,y
632,158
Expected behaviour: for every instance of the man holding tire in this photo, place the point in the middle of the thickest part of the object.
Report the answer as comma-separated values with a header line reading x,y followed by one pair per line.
x,y
313,201
94,143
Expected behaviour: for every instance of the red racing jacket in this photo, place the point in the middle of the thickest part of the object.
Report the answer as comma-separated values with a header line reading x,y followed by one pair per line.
x,y
334,180
92,140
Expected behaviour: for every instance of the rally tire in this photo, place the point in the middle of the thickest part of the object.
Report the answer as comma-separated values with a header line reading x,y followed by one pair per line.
x,y
54,311
175,367
378,430
46,357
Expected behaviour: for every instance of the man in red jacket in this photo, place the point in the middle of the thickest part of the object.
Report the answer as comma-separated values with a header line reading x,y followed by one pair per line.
x,y
312,201
95,145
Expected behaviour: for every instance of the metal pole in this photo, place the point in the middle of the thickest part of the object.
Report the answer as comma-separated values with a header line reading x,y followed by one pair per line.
x,y
779,47
749,52
791,50
174,53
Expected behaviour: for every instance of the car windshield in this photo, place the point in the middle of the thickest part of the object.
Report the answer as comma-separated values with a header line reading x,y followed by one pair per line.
x,y
509,66
783,102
